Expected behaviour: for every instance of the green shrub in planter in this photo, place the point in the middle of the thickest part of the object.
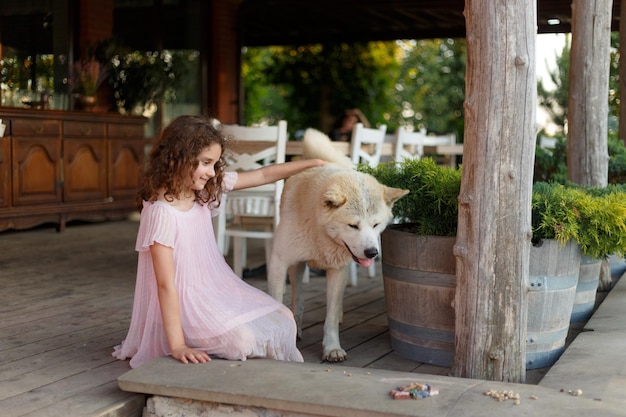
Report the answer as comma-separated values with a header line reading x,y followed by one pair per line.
x,y
594,218
431,207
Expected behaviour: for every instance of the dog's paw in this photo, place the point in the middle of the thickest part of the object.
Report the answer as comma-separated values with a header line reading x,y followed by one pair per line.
x,y
335,355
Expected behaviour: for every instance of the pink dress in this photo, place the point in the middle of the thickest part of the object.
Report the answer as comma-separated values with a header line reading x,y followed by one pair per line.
x,y
220,313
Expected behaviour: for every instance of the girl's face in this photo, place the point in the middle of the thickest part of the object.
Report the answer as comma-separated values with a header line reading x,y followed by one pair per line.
x,y
206,166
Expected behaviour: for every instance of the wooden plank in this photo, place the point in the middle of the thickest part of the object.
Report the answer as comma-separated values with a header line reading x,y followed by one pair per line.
x,y
106,399
61,340
351,305
394,362
352,337
64,324
38,399
45,309
60,369
83,344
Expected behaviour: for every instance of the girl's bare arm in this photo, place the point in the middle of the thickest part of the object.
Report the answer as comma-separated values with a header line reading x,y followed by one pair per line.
x,y
163,261
273,173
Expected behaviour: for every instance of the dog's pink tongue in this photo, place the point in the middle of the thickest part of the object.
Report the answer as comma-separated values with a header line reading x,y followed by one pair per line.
x,y
366,262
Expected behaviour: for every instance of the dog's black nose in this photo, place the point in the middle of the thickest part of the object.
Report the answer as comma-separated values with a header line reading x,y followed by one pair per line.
x,y
371,252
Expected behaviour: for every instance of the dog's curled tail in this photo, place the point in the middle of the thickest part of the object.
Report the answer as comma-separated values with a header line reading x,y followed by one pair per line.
x,y
318,145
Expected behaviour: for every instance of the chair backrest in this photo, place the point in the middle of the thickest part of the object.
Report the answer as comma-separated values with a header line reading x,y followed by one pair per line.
x,y
367,144
253,147
256,146
411,144
547,143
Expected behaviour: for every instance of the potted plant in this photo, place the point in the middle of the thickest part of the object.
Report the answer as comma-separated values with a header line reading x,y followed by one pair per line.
x,y
419,265
88,76
598,225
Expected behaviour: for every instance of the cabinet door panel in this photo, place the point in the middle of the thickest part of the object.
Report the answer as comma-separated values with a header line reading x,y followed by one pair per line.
x,y
36,170
5,171
84,169
125,167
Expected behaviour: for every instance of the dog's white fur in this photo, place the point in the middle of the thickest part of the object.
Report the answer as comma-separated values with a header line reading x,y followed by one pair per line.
x,y
330,216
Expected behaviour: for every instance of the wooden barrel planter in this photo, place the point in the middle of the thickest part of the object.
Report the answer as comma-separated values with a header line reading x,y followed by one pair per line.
x,y
419,275
588,280
552,289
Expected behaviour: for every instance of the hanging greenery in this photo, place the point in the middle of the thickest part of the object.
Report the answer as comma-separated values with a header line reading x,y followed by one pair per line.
x,y
141,79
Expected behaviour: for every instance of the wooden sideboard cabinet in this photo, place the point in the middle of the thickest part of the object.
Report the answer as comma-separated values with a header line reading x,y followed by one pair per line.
x,y
58,166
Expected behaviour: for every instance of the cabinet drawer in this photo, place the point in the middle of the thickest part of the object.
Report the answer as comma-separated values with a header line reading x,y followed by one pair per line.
x,y
83,129
125,130
29,127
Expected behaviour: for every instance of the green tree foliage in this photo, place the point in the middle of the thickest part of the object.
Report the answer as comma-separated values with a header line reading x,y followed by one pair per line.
x,y
19,70
430,89
304,84
400,83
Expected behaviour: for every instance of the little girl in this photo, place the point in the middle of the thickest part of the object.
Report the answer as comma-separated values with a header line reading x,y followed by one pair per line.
x,y
188,302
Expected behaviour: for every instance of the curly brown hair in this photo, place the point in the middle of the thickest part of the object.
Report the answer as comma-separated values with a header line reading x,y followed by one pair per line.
x,y
173,159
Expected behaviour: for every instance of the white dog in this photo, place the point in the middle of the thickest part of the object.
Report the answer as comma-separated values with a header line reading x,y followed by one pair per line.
x,y
330,216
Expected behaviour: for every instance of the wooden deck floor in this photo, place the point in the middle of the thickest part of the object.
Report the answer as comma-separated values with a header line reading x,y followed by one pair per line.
x,y
66,300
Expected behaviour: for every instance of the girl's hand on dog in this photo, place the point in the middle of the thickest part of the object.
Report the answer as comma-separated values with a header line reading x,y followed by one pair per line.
x,y
186,354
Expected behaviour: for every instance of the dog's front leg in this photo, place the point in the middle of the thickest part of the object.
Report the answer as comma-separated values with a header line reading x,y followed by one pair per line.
x,y
336,281
276,276
296,273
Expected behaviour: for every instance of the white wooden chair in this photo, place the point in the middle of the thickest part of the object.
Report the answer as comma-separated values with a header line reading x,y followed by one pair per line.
x,y
254,212
366,147
547,143
412,144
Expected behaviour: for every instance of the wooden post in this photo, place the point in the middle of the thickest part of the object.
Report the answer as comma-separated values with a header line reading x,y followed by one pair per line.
x,y
494,232
622,72
588,107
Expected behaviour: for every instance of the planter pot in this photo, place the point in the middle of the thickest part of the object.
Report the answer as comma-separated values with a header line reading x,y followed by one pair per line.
x,y
588,279
419,274
552,289
85,103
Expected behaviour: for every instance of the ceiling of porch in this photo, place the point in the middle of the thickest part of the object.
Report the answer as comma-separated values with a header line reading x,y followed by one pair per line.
x,y
281,22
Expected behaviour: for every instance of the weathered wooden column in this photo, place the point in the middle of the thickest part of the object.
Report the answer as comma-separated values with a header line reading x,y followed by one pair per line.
x,y
494,232
622,72
588,107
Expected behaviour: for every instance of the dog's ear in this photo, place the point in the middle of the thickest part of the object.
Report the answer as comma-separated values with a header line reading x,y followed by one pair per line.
x,y
333,199
393,194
